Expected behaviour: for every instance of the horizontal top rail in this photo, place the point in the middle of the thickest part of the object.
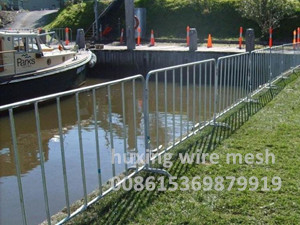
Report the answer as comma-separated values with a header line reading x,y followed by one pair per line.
x,y
231,56
179,66
70,92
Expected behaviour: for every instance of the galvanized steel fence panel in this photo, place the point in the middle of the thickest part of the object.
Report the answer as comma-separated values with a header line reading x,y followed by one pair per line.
x,y
175,118
117,121
232,81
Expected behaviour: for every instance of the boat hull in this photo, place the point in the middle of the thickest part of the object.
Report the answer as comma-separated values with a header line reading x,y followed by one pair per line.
x,y
36,86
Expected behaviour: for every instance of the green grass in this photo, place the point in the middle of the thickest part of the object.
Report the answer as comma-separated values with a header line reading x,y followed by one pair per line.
x,y
76,16
273,123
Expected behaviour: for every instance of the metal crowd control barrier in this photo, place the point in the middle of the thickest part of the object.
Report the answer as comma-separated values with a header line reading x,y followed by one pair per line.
x,y
100,97
232,78
184,99
195,105
270,64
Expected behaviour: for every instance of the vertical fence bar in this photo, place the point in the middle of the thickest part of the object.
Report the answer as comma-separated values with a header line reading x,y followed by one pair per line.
x,y
231,100
200,94
17,163
228,83
216,91
210,90
181,104
205,92
146,122
194,96
134,123
219,70
81,149
235,79
156,111
225,84
249,77
188,98
97,142
63,157
42,161
173,100
245,57
239,68
113,163
124,128
166,110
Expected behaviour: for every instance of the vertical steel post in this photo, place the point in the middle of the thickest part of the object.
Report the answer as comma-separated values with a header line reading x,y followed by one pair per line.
x,y
97,142
216,90
134,123
81,149
17,163
112,147
62,151
124,126
42,160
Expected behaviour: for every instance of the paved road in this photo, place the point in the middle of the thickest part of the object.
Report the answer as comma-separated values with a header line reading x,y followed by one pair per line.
x,y
32,19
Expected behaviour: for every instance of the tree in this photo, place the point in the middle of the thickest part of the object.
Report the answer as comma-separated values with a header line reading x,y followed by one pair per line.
x,y
267,13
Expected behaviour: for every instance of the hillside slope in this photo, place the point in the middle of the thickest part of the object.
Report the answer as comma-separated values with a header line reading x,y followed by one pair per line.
x,y
169,18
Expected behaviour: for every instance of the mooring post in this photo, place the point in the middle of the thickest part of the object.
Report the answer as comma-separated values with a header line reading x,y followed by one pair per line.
x,y
250,40
193,38
129,17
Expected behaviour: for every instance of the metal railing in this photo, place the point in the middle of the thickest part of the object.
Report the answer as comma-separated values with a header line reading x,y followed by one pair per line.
x,y
190,109
174,103
101,104
232,78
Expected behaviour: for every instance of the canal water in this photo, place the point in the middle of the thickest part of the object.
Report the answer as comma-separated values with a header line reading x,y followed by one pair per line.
x,y
10,211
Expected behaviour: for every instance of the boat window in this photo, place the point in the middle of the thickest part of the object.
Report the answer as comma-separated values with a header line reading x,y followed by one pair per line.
x,y
32,45
20,44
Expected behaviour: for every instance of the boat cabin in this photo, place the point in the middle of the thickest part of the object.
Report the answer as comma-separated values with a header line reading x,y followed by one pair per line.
x,y
28,52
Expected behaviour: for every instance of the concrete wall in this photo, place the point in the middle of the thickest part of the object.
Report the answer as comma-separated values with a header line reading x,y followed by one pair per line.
x,y
142,62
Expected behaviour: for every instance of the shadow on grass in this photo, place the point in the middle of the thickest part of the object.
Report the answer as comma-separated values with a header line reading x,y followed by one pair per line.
x,y
122,206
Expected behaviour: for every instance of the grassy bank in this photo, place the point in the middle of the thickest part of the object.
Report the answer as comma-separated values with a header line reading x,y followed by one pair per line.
x,y
169,18
76,16
274,127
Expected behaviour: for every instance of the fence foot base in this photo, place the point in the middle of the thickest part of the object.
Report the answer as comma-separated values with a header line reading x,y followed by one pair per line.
x,y
159,171
251,100
272,86
219,124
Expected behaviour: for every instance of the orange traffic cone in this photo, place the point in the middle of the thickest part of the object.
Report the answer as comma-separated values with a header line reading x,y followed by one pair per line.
x,y
294,38
139,37
152,41
209,41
